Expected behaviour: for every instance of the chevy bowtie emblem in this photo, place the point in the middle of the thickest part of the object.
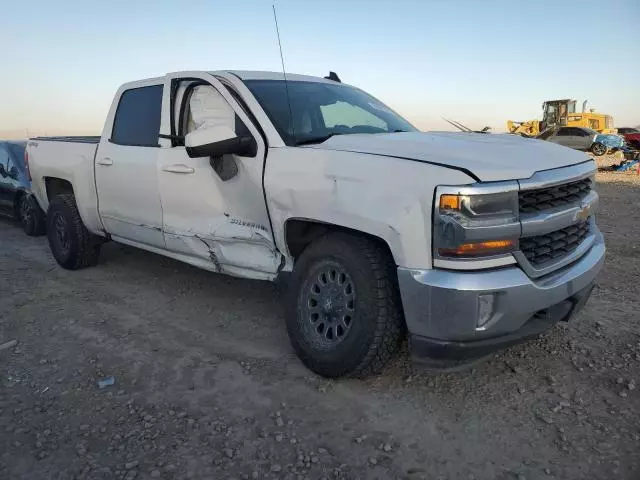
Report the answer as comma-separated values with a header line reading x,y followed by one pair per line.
x,y
583,213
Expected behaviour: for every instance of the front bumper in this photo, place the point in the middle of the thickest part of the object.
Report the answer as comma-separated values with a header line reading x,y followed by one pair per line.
x,y
442,307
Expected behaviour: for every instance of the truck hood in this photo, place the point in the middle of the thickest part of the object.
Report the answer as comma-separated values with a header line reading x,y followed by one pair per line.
x,y
489,157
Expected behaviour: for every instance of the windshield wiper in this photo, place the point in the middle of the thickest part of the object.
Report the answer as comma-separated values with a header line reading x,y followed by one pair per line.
x,y
320,139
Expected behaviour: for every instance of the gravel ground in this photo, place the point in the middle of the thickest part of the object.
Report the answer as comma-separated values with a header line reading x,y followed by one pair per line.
x,y
207,386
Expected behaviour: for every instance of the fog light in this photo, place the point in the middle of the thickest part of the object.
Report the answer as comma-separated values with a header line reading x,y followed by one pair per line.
x,y
486,304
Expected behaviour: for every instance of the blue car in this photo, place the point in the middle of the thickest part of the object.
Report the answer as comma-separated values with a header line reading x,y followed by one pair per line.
x,y
16,200
611,142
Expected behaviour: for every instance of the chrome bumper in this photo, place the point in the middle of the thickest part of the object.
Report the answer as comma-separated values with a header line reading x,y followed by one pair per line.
x,y
444,304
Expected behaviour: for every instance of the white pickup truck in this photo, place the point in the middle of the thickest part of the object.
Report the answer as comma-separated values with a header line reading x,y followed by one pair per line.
x,y
470,242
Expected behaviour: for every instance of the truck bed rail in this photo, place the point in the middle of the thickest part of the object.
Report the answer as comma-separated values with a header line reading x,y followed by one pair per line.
x,y
80,139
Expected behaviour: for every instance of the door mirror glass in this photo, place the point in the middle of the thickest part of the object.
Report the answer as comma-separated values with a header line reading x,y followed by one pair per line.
x,y
218,141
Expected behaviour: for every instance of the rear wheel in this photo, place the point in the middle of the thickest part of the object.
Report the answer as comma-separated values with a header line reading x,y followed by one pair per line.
x,y
344,312
72,245
31,216
598,149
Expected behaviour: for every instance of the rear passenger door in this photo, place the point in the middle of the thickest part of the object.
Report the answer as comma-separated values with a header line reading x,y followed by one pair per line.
x,y
565,137
125,166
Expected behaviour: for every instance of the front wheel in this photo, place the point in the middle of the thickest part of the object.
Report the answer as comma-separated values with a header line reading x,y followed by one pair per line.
x,y
31,216
72,245
344,312
598,149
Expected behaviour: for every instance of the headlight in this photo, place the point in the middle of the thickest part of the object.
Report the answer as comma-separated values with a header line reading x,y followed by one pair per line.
x,y
475,225
489,209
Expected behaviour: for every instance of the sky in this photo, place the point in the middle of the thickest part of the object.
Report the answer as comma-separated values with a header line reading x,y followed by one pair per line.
x,y
480,62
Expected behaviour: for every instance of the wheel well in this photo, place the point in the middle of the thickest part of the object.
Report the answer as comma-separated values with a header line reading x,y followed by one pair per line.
x,y
299,234
56,186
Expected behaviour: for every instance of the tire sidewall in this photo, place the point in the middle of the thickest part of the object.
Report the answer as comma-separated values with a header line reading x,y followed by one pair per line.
x,y
65,259
349,353
596,147
34,224
27,225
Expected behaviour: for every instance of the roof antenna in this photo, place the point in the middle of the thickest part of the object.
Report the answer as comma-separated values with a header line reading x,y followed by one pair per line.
x,y
333,76
284,74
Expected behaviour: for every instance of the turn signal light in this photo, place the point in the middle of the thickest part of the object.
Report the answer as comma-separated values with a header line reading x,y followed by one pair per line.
x,y
449,202
479,248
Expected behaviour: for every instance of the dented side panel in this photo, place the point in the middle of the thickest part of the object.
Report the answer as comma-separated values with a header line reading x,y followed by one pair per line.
x,y
389,198
224,222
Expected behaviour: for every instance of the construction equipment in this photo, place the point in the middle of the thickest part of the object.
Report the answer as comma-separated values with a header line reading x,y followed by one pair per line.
x,y
563,113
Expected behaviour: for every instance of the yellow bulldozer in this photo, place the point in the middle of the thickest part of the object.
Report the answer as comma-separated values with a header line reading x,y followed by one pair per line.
x,y
563,112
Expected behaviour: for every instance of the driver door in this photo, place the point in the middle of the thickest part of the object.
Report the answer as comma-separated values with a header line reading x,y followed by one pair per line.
x,y
214,211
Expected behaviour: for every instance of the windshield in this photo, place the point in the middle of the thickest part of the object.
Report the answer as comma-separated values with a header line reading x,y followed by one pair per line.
x,y
321,110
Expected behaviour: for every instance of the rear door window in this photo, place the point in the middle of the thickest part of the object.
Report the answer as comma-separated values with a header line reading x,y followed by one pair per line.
x,y
564,132
137,120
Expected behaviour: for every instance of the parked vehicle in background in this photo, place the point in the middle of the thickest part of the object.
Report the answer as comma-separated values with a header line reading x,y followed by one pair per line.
x,y
562,113
585,139
16,200
631,136
470,242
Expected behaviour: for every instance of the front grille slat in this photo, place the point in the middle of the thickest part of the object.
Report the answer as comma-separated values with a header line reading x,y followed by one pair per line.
x,y
534,201
541,249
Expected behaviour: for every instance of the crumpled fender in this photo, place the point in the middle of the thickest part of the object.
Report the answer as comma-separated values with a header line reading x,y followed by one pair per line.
x,y
609,141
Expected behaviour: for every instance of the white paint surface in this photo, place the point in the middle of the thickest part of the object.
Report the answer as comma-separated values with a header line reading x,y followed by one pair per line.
x,y
162,200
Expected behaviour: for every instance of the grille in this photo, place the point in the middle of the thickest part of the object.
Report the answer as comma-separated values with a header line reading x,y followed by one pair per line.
x,y
533,201
553,246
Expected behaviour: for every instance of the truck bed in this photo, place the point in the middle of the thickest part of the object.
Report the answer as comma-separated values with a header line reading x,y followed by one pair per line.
x,y
68,159
77,139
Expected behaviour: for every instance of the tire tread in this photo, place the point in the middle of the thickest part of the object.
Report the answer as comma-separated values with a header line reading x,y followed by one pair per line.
x,y
88,245
389,329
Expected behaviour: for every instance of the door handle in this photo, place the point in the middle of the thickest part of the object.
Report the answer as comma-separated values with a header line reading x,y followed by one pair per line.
x,y
179,168
106,161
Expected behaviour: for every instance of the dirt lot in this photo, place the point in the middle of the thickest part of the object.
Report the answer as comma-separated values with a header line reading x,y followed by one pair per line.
x,y
207,386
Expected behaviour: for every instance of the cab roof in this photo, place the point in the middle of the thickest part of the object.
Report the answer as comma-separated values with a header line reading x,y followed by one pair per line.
x,y
259,75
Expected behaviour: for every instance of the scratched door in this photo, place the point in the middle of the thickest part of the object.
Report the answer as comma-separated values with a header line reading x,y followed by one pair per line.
x,y
214,212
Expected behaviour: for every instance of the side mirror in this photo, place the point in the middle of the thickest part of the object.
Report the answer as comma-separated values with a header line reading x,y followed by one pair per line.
x,y
218,141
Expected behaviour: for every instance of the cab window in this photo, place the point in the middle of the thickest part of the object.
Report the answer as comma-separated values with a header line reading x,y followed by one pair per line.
x,y
137,120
